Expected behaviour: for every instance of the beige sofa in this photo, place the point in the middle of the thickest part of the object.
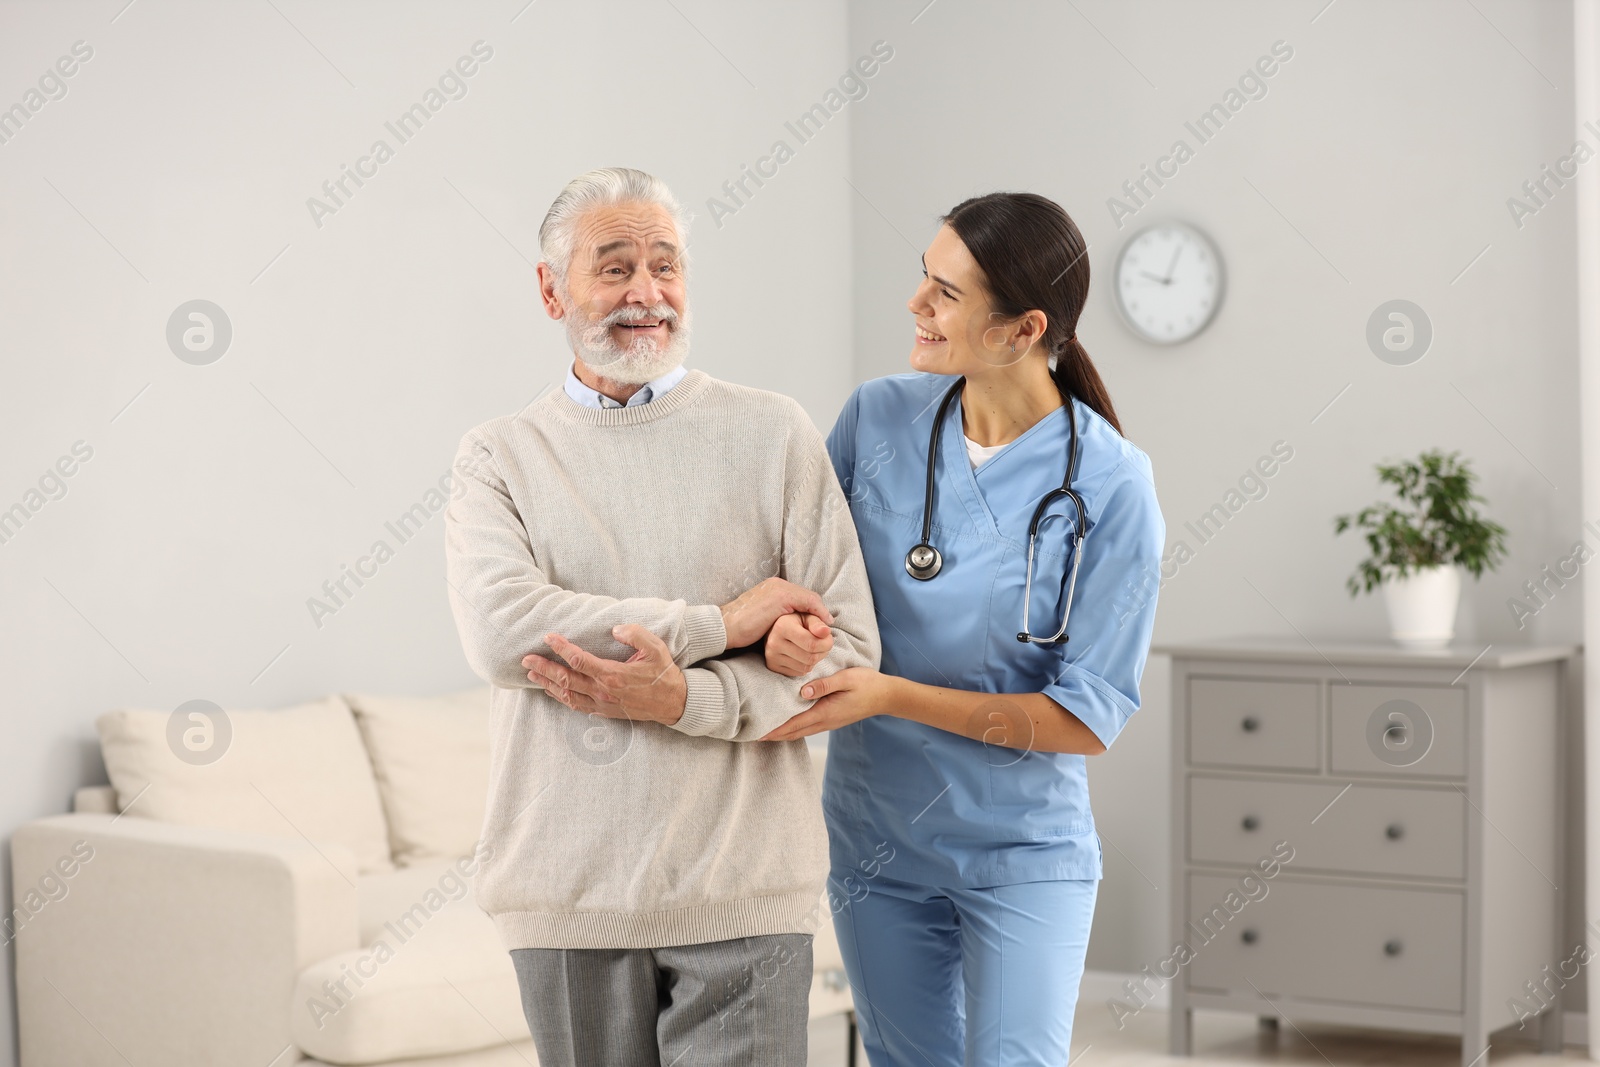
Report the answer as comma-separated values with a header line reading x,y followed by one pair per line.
x,y
269,888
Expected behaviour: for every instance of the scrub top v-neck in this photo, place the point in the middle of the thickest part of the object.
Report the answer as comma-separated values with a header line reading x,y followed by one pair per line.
x,y
960,812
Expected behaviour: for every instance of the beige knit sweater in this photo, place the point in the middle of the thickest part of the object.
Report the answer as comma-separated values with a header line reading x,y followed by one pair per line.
x,y
612,834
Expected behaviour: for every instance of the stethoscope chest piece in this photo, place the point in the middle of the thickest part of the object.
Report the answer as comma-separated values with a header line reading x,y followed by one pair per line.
x,y
923,562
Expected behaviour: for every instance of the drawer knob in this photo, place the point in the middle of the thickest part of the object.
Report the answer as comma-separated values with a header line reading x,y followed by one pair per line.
x,y
1248,937
1391,947
1250,724
1249,822
1395,831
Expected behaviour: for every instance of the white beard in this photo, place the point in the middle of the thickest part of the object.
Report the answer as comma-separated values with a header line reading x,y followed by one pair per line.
x,y
644,359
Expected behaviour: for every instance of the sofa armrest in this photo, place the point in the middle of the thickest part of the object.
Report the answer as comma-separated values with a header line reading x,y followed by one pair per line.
x,y
149,942
95,800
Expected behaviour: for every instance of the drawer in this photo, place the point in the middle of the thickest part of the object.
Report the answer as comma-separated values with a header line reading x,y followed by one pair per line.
x,y
1411,730
1239,722
1398,948
1369,829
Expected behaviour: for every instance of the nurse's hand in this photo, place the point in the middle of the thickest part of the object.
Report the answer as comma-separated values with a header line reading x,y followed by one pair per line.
x,y
797,643
851,695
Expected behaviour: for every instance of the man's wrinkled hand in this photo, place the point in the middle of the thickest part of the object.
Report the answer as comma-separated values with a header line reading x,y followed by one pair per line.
x,y
797,643
648,686
749,616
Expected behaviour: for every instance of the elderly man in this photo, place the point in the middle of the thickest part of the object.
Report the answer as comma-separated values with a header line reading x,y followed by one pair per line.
x,y
656,870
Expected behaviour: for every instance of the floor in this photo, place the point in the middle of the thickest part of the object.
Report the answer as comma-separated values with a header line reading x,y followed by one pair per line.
x,y
1222,1038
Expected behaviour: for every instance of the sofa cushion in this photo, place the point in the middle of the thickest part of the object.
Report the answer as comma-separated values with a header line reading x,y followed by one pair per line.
x,y
431,759
517,1054
431,977
300,771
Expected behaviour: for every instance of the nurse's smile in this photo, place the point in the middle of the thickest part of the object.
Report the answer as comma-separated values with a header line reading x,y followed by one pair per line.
x,y
951,316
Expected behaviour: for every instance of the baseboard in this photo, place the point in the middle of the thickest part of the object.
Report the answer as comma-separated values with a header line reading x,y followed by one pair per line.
x,y
1097,987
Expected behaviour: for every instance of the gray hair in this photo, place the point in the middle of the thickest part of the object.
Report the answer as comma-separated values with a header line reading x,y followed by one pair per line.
x,y
600,188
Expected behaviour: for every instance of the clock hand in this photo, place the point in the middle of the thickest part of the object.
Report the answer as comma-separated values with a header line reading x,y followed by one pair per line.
x,y
1152,277
1175,254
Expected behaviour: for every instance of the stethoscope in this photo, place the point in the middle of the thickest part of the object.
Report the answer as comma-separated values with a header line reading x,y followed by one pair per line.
x,y
924,561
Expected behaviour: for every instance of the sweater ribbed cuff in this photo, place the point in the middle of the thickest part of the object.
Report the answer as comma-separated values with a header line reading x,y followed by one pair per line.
x,y
707,635
703,706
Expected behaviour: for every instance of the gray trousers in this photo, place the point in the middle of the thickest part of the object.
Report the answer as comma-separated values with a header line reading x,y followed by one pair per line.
x,y
743,1002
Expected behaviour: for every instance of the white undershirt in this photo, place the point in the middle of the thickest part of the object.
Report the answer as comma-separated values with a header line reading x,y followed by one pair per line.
x,y
978,454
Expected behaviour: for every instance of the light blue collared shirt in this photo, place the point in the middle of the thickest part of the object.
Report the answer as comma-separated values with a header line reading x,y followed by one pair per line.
x,y
960,812
591,398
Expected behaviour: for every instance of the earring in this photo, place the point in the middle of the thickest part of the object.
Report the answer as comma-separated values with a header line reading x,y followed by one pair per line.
x,y
1013,346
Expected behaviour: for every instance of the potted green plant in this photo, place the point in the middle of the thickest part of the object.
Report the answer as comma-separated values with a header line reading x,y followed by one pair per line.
x,y
1420,548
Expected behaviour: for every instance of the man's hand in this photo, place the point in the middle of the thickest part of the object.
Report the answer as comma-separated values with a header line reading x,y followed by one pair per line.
x,y
751,614
797,643
648,686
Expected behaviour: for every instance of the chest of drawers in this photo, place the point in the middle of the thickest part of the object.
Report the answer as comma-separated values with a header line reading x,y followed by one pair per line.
x,y
1366,836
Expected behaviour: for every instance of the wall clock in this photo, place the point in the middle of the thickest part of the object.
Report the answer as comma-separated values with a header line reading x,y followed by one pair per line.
x,y
1168,282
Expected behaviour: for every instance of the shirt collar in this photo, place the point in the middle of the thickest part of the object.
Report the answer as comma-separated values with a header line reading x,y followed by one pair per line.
x,y
593,398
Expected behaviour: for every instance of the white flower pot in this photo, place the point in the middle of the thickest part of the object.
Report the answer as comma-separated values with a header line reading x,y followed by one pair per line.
x,y
1422,607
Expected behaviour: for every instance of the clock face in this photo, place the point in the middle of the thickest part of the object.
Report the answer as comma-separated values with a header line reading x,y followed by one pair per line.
x,y
1169,282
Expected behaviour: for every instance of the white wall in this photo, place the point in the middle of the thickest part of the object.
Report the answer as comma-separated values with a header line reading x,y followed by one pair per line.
x,y
179,562
1377,166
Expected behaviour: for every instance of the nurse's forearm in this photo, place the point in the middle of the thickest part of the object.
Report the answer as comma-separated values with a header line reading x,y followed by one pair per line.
x,y
1028,721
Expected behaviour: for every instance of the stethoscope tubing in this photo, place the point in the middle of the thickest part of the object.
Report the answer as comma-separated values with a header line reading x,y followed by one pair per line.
x,y
923,561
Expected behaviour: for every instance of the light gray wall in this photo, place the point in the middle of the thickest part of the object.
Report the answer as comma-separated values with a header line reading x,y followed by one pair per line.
x,y
1377,166
219,498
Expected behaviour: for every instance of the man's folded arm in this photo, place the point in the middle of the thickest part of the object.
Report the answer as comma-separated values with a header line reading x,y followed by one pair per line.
x,y
736,697
504,603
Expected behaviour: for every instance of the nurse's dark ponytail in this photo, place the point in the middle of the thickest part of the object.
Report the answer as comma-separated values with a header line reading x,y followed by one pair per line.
x,y
1033,256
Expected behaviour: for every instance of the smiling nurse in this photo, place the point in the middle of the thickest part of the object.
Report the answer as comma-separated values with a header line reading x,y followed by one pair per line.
x,y
965,862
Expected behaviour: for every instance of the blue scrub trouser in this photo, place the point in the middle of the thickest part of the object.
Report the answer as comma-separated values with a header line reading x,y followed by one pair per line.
x,y
963,977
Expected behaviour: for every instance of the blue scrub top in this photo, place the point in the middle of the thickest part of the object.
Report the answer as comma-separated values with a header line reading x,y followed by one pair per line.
x,y
956,811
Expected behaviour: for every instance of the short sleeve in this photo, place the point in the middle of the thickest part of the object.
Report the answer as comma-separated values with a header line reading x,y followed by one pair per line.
x,y
1114,605
842,441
